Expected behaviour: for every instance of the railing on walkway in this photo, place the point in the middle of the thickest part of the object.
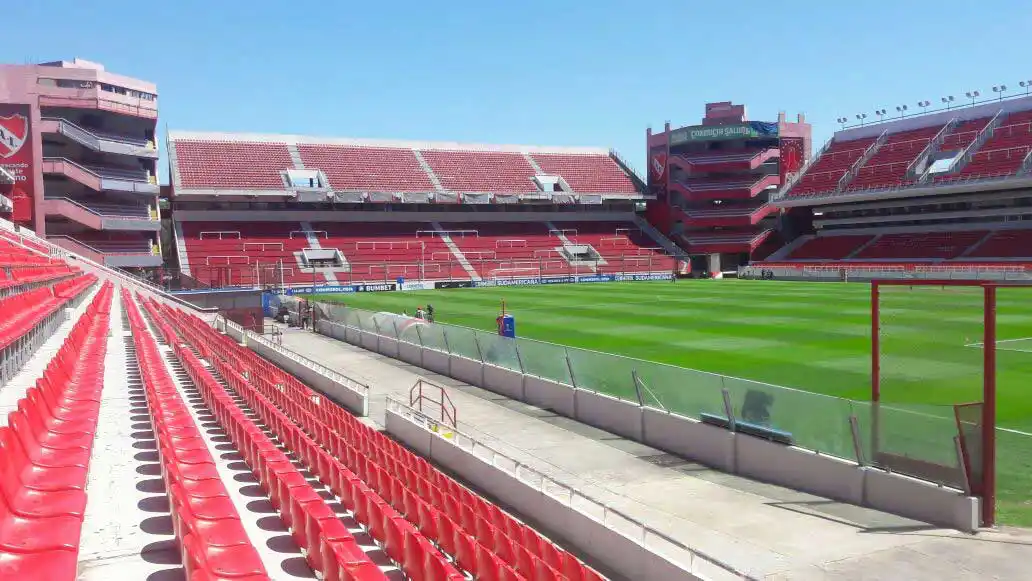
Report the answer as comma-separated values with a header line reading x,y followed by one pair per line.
x,y
422,392
647,537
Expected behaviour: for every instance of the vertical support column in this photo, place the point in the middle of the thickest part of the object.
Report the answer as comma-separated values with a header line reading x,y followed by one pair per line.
x,y
875,342
989,409
713,263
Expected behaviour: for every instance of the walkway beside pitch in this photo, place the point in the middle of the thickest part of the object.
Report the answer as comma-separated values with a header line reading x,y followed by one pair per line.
x,y
766,530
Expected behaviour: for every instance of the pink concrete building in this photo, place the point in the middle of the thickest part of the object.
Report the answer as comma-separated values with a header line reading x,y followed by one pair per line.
x,y
78,155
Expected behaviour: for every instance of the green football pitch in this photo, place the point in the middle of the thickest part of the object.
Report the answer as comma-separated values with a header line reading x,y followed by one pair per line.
x,y
810,336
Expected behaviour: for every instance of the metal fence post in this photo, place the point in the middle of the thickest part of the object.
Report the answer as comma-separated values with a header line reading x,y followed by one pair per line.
x,y
569,366
519,358
637,387
854,427
728,408
476,341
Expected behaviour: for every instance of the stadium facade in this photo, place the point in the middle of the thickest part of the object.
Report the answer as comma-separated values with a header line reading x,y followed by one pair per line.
x,y
78,159
712,183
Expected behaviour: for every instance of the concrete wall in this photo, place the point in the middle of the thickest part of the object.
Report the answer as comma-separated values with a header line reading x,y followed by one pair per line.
x,y
623,555
749,456
336,389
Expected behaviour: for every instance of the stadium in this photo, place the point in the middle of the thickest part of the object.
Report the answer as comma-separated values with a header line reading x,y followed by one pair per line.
x,y
338,358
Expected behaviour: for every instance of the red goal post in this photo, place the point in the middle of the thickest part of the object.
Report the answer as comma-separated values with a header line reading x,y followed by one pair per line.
x,y
976,432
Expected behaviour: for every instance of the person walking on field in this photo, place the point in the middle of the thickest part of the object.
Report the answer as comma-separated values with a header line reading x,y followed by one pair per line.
x,y
429,313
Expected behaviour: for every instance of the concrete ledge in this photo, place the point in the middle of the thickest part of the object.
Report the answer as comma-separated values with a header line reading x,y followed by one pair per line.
x,y
609,413
412,435
389,347
436,361
550,395
619,553
504,381
799,469
370,341
410,353
921,500
689,438
468,370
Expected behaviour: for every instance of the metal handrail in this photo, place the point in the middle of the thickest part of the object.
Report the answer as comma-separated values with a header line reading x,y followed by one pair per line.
x,y
566,494
449,414
100,213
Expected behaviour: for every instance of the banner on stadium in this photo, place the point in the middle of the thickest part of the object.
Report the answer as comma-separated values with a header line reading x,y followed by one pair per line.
x,y
453,284
645,276
752,129
417,285
376,287
16,158
351,288
658,166
575,279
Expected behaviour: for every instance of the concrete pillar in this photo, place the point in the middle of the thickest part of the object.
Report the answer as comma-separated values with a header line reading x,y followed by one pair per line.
x,y
713,261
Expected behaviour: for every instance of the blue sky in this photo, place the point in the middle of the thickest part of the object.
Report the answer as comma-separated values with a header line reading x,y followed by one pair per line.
x,y
557,72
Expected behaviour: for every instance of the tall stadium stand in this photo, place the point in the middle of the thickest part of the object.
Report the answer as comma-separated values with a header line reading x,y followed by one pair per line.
x,y
947,189
203,163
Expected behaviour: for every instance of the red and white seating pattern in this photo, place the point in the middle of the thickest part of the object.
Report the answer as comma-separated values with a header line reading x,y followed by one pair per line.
x,y
595,174
246,253
829,247
931,245
378,169
429,525
388,250
824,174
45,454
227,164
1003,153
231,165
953,246
228,254
888,166
963,134
482,171
1005,244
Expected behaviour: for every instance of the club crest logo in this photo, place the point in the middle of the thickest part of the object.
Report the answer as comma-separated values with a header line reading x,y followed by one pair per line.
x,y
659,165
14,132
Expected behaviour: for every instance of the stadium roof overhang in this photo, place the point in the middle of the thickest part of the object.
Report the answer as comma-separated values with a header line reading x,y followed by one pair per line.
x,y
991,185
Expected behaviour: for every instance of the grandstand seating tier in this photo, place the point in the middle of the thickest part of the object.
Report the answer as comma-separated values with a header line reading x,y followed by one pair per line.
x,y
829,247
367,168
231,165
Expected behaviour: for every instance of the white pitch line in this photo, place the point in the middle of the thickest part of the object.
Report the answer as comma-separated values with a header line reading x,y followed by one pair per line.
x,y
1013,431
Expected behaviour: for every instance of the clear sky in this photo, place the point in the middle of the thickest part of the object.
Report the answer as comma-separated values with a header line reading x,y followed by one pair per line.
x,y
550,72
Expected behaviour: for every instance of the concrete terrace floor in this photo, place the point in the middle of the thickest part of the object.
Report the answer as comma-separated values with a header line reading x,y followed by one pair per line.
x,y
767,531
